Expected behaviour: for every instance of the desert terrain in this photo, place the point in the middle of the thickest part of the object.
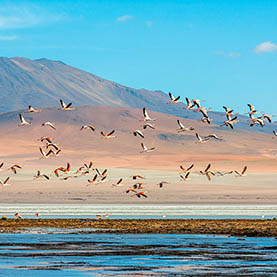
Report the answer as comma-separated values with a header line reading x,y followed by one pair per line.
x,y
254,147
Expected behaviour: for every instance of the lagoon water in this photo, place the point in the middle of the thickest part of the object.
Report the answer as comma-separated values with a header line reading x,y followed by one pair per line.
x,y
69,252
66,253
139,211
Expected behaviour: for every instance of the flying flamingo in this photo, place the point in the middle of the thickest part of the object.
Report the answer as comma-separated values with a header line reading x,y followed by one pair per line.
x,y
148,125
162,183
23,122
146,117
138,133
189,106
39,175
186,177
241,174
145,149
15,167
118,183
66,107
207,172
173,100
134,177
88,127
109,135
50,124
230,122
185,170
93,181
213,136
44,154
200,139
5,183
141,193
182,128
33,110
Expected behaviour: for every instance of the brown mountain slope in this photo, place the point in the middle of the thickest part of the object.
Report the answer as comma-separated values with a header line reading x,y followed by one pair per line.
x,y
43,82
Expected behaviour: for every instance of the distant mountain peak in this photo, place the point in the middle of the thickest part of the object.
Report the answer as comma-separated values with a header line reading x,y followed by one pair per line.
x,y
43,82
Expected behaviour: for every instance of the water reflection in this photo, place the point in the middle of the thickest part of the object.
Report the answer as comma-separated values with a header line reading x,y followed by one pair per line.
x,y
74,254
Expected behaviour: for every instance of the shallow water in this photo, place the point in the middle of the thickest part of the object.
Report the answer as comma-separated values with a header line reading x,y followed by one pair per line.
x,y
62,253
140,211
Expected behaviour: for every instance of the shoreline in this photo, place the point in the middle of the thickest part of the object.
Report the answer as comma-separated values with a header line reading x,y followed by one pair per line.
x,y
231,227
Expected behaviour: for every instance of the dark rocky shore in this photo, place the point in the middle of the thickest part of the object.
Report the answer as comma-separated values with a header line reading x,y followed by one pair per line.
x,y
234,227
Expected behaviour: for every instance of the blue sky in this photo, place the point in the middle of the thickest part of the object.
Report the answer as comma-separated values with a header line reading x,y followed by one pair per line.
x,y
225,53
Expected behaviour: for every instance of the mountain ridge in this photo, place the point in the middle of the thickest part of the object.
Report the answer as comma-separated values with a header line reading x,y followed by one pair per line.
x,y
42,82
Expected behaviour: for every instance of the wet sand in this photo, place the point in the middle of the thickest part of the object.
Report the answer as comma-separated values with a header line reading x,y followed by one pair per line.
x,y
234,227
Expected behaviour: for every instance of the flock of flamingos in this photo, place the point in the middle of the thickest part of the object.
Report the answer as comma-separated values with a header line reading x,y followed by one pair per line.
x,y
51,149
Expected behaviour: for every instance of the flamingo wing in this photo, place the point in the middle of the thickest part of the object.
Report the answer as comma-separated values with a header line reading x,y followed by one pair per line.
x,y
244,170
145,114
110,133
208,167
189,168
62,104
68,105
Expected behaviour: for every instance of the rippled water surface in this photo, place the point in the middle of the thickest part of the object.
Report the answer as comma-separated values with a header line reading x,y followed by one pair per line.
x,y
65,253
